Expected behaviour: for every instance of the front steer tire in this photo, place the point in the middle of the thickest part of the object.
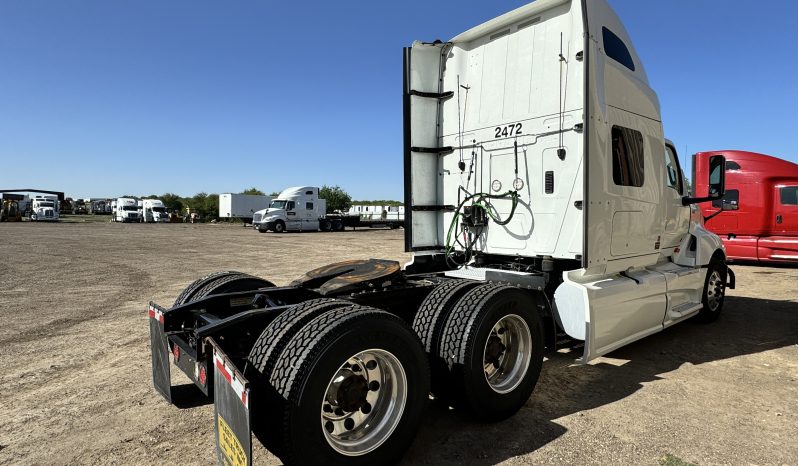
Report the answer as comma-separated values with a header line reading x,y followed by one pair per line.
x,y
336,355
485,320
714,293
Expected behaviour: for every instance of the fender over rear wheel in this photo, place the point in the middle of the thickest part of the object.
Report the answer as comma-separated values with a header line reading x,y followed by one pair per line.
x,y
220,282
493,343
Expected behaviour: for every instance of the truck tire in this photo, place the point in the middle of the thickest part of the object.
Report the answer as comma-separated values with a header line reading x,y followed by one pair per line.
x,y
355,382
231,284
493,343
278,333
337,225
428,324
279,226
325,225
190,292
714,292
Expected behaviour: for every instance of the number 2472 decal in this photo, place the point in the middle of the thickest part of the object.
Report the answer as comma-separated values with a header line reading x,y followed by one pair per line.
x,y
508,130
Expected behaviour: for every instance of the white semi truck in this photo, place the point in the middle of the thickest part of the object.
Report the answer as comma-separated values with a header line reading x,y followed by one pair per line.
x,y
125,210
44,208
296,209
544,210
154,211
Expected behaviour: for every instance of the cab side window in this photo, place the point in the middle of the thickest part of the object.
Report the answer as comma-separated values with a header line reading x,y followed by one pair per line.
x,y
731,198
789,195
290,205
627,157
672,173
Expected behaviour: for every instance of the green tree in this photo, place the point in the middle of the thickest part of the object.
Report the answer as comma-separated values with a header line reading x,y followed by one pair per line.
x,y
253,192
274,194
337,198
172,201
211,207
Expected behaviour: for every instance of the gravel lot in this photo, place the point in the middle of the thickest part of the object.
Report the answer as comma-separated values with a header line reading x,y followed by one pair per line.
x,y
76,387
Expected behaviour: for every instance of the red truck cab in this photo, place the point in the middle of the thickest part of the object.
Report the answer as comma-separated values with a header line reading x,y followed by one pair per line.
x,y
759,221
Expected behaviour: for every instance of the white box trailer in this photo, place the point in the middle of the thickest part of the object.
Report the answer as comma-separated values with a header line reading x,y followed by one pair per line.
x,y
544,209
241,205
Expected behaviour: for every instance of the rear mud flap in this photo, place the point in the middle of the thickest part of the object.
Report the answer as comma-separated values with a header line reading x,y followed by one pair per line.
x,y
159,348
231,407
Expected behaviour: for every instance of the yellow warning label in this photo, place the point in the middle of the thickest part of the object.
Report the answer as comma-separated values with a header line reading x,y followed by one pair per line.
x,y
229,446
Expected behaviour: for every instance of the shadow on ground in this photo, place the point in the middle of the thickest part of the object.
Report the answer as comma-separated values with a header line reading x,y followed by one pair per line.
x,y
747,326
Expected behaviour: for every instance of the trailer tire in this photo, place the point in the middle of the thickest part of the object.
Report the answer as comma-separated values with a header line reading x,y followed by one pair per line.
x,y
428,324
279,226
207,286
484,324
355,382
714,291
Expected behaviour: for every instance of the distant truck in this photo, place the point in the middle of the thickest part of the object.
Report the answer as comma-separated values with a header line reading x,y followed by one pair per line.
x,y
301,209
296,209
44,208
241,206
154,211
125,210
757,218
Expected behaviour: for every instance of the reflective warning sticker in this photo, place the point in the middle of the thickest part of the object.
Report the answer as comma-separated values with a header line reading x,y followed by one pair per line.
x,y
232,453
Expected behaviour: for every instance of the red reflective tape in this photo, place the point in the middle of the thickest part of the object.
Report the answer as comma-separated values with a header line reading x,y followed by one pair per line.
x,y
160,317
151,313
220,367
244,397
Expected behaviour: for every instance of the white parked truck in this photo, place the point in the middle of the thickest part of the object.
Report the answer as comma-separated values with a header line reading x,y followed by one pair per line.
x,y
544,210
154,211
241,206
126,210
44,208
297,209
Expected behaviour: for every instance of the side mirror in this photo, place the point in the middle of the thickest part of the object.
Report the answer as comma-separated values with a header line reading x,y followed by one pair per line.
x,y
717,177
716,182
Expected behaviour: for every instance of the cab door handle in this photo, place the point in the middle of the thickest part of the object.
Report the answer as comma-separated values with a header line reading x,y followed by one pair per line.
x,y
778,219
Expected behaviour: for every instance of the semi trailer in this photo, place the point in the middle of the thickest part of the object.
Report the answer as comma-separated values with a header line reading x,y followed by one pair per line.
x,y
544,209
758,216
241,206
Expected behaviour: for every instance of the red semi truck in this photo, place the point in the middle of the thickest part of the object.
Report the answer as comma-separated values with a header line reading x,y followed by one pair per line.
x,y
759,216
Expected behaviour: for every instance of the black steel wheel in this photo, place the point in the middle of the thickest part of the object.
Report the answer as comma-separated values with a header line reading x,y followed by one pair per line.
x,y
428,324
220,282
355,382
493,344
714,291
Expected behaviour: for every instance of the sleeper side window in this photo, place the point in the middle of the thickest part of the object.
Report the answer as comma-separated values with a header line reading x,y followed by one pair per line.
x,y
627,157
616,49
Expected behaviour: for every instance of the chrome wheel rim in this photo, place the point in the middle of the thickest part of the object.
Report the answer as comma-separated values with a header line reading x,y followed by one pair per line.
x,y
715,289
364,402
507,353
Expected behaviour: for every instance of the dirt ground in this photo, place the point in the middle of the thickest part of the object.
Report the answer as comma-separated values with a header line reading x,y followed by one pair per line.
x,y
76,386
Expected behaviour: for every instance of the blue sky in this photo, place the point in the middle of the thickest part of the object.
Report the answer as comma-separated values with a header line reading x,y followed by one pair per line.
x,y
102,98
